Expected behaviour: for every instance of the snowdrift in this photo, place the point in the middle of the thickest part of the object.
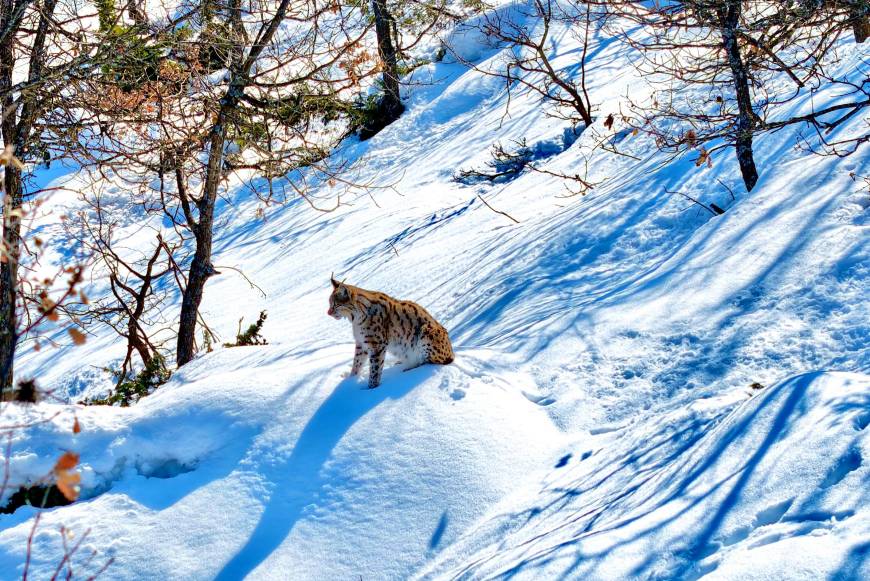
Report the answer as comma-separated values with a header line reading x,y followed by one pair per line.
x,y
220,475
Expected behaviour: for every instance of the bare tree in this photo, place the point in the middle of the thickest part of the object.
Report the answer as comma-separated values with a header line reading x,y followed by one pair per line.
x,y
48,40
19,114
715,63
242,90
134,309
531,66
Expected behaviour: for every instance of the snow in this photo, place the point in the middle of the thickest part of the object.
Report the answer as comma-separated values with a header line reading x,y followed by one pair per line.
x,y
598,421
725,488
282,466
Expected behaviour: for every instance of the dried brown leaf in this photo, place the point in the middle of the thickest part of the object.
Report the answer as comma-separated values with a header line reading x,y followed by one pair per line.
x,y
77,336
67,483
68,461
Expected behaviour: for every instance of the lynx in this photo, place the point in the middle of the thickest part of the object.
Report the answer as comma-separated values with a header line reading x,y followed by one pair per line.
x,y
382,323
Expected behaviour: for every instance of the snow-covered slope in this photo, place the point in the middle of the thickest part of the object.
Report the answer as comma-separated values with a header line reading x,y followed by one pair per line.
x,y
598,421
275,464
770,487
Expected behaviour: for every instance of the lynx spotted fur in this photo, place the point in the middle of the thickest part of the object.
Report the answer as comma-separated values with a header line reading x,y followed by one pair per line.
x,y
382,323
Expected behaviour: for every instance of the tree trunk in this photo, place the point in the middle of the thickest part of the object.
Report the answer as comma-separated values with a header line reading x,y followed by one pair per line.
x,y
9,273
859,14
729,16
17,124
390,106
201,268
11,201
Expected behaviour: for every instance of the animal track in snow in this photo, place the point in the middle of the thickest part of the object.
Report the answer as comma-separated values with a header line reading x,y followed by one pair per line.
x,y
850,462
768,516
801,529
772,514
542,400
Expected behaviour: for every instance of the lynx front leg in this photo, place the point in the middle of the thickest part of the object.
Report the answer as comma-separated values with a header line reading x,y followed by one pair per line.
x,y
359,357
376,364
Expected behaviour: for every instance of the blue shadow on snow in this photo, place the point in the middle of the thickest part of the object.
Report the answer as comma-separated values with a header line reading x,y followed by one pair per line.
x,y
298,480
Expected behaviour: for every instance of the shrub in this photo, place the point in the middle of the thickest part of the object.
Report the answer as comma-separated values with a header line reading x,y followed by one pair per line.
x,y
25,392
136,60
504,165
214,46
251,336
131,389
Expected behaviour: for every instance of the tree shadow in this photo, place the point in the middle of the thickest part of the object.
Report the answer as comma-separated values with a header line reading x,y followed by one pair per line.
x,y
438,533
854,565
684,488
298,480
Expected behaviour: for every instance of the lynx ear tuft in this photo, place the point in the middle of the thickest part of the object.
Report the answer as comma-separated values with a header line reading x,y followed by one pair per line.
x,y
335,283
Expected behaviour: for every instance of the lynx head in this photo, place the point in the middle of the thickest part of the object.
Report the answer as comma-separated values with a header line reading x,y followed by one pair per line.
x,y
339,301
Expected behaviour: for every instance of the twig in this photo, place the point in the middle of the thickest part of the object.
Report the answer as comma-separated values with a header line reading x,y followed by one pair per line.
x,y
102,569
30,546
497,211
68,553
249,281
730,191
694,201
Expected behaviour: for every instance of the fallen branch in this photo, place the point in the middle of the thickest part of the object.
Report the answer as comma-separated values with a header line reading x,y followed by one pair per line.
x,y
497,211
714,209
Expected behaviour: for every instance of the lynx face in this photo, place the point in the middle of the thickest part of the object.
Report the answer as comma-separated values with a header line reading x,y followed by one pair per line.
x,y
339,303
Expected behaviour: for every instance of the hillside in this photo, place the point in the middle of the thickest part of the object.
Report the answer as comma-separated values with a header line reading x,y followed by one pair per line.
x,y
598,422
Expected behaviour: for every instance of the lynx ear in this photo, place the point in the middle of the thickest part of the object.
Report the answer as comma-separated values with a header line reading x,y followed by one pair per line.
x,y
335,283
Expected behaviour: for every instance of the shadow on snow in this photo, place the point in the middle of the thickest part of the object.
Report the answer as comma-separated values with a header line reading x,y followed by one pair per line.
x,y
298,480
675,475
